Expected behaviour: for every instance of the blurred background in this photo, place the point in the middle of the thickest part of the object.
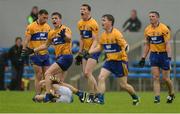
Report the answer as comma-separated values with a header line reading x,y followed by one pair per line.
x,y
14,17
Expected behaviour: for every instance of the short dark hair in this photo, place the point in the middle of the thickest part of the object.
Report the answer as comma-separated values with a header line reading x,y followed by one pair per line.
x,y
18,38
134,10
109,17
57,13
155,12
88,6
43,11
34,7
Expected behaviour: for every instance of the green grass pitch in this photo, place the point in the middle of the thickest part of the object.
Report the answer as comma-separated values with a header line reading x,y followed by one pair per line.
x,y
20,102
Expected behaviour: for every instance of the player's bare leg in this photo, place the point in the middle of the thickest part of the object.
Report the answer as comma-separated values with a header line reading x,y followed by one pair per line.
x,y
61,75
166,78
101,85
156,83
92,84
50,72
84,62
127,87
38,77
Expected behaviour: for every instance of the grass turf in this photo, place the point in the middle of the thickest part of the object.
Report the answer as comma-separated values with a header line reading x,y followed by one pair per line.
x,y
114,102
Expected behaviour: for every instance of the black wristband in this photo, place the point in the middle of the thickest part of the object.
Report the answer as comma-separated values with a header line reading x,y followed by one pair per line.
x,y
143,58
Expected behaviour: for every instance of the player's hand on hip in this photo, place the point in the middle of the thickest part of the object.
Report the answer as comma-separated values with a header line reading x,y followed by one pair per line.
x,y
142,62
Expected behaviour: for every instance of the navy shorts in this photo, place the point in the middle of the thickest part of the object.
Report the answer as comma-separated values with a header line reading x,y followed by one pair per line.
x,y
118,68
160,60
40,60
64,61
94,56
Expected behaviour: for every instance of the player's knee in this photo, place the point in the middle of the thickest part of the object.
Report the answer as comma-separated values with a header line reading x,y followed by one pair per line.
x,y
165,79
101,78
156,78
87,74
38,76
47,73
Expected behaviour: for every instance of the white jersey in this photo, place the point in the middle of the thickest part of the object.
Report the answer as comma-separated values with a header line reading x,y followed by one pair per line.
x,y
65,93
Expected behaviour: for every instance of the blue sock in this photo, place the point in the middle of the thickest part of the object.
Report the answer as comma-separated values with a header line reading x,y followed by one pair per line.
x,y
79,93
134,96
101,97
48,97
157,98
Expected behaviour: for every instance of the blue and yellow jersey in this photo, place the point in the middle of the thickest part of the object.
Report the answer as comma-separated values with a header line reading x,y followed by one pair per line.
x,y
87,29
62,47
114,45
157,37
38,34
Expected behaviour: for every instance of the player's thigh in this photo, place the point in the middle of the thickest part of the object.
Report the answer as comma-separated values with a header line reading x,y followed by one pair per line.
x,y
90,65
61,75
84,62
38,70
155,72
104,73
166,73
53,69
45,68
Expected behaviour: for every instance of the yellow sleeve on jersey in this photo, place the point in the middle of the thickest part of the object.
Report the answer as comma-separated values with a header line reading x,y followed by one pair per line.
x,y
28,31
68,31
100,44
78,27
49,40
121,41
166,34
95,28
146,40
